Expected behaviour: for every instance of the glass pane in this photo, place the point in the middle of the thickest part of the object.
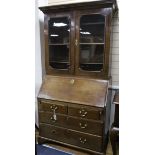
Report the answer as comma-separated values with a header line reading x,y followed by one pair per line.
x,y
91,57
92,28
59,56
59,29
92,42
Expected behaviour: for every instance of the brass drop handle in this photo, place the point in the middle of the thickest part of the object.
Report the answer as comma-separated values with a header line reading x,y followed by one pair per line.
x,y
83,126
83,113
54,107
83,140
53,118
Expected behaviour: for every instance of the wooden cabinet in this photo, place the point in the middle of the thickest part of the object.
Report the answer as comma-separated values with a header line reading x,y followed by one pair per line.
x,y
74,100
71,114
77,39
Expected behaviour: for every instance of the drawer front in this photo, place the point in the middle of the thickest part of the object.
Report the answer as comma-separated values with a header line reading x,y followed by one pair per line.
x,y
85,141
53,132
85,126
91,142
51,106
50,118
86,112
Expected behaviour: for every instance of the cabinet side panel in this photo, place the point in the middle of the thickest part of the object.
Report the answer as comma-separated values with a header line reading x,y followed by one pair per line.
x,y
107,44
108,109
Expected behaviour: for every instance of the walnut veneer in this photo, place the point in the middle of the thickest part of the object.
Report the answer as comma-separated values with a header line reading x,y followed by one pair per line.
x,y
74,99
75,113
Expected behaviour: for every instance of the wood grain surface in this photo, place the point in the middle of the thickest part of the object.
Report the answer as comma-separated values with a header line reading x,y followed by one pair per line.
x,y
75,90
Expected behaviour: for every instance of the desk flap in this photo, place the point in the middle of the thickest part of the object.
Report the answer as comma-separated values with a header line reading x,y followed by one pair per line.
x,y
75,90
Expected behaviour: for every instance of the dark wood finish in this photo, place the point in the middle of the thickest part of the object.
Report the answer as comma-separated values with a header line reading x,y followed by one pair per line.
x,y
116,118
116,102
74,12
48,118
82,112
53,132
74,90
86,112
85,141
74,104
86,126
42,140
50,106
71,137
105,72
74,123
114,132
49,69
107,59
116,97
47,140
85,5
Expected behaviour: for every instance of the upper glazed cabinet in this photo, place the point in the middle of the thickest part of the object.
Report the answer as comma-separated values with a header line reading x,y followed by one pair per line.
x,y
77,39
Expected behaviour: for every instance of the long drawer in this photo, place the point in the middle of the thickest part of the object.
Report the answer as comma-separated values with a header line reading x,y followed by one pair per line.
x,y
79,124
86,112
71,137
51,106
85,141
49,118
86,126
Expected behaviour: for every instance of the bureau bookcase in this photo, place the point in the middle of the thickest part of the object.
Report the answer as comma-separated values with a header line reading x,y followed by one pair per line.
x,y
74,99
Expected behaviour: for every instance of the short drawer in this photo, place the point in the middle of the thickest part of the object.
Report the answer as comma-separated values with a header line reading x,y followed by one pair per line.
x,y
51,106
85,126
91,142
49,118
86,112
53,132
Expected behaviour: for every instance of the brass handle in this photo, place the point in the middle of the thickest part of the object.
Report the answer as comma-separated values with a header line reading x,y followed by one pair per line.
x,y
83,126
83,140
54,107
83,113
53,119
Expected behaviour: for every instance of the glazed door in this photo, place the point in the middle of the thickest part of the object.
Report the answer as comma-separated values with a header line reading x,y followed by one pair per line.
x,y
91,39
59,52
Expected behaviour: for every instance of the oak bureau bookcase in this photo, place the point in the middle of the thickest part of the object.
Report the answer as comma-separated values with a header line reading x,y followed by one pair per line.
x,y
74,100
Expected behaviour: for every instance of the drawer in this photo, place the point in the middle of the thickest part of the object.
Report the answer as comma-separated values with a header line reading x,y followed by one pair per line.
x,y
50,106
86,112
85,126
53,132
91,142
49,118
79,139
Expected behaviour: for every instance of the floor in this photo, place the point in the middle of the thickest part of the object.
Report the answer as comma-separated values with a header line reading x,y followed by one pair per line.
x,y
75,152
109,151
